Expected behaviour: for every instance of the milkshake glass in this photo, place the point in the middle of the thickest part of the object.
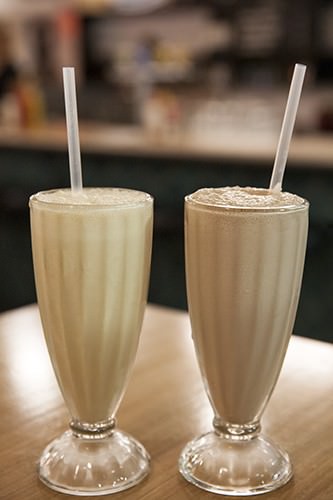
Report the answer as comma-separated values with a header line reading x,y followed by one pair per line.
x,y
91,255
245,250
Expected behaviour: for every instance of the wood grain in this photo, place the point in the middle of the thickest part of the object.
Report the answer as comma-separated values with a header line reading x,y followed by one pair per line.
x,y
164,406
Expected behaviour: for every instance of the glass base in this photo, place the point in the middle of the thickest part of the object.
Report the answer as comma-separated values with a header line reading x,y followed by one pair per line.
x,y
231,466
85,465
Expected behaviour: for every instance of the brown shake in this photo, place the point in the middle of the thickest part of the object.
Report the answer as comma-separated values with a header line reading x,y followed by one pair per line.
x,y
245,251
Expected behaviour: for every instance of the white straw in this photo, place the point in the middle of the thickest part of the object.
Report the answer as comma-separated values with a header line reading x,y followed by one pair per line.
x,y
287,127
72,129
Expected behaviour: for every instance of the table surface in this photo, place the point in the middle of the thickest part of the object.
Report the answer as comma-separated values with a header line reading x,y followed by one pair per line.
x,y
164,407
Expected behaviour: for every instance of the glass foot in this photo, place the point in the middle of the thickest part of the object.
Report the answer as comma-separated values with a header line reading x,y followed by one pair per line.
x,y
86,466
233,467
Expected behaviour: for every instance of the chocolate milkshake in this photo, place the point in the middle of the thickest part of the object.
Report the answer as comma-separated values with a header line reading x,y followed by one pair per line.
x,y
245,251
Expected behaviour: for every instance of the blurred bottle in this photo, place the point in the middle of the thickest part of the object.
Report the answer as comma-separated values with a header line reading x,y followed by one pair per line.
x,y
161,116
30,101
7,68
9,110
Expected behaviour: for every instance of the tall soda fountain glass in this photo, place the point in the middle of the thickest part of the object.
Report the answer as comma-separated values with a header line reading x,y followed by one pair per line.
x,y
91,254
245,251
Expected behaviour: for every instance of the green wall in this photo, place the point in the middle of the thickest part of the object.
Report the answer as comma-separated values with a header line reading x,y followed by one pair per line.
x,y
168,179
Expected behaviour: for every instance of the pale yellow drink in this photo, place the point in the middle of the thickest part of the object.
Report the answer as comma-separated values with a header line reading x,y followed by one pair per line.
x,y
245,251
91,255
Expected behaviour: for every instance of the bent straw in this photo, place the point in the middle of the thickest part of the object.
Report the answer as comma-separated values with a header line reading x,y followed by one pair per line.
x,y
287,127
72,129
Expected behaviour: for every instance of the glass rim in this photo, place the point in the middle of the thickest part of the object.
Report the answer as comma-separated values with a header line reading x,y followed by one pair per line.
x,y
304,205
35,199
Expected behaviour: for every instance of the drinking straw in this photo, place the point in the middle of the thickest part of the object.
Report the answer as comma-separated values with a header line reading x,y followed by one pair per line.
x,y
72,129
287,127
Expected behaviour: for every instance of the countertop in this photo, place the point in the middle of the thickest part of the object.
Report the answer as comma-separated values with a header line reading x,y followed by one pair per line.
x,y
309,150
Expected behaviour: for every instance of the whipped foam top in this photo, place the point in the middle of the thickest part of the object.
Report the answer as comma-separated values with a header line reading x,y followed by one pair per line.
x,y
93,196
246,197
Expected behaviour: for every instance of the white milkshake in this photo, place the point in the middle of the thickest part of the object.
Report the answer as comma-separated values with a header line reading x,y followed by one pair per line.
x,y
91,254
245,251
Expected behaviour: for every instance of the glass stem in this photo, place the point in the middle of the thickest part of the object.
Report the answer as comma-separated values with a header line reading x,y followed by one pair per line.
x,y
92,431
236,432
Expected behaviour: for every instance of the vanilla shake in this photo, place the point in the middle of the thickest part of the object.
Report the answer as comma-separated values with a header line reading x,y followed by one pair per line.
x,y
91,253
245,250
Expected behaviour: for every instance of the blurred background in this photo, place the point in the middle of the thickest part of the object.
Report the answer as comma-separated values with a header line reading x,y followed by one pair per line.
x,y
173,95
197,62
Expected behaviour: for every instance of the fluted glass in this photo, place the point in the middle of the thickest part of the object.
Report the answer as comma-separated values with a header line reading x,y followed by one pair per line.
x,y
91,263
243,272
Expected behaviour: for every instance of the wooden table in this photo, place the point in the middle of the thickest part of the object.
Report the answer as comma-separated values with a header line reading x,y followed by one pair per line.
x,y
164,407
